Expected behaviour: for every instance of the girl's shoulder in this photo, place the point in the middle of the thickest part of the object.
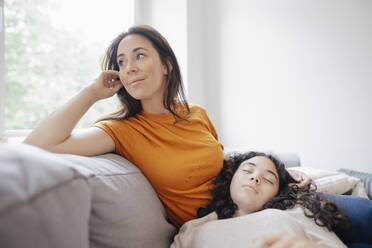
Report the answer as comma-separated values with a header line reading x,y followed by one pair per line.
x,y
195,223
186,234
295,213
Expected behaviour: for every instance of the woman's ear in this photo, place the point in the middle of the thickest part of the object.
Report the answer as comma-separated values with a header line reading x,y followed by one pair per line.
x,y
170,66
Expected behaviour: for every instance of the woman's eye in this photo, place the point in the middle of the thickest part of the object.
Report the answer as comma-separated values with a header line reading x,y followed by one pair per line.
x,y
121,62
140,56
248,171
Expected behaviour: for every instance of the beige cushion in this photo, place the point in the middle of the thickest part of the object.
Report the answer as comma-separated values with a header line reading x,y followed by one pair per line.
x,y
333,182
364,176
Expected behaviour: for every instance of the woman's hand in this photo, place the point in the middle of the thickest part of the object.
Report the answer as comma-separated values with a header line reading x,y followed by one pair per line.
x,y
284,240
106,85
301,178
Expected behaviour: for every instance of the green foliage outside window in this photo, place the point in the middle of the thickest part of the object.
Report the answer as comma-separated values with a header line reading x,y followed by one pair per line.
x,y
46,65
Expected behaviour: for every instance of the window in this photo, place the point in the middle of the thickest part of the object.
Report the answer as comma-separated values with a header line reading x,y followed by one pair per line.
x,y
52,49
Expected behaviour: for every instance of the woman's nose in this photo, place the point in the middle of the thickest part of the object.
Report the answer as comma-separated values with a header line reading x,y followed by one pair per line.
x,y
131,67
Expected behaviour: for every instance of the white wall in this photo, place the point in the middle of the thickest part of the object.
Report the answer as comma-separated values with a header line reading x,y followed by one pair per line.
x,y
292,75
169,18
204,57
197,86
287,76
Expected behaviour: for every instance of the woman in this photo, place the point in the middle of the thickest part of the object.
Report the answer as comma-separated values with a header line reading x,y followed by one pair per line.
x,y
251,182
156,129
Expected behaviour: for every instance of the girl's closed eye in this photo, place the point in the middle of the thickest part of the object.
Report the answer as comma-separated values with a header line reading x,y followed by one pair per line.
x,y
248,170
269,181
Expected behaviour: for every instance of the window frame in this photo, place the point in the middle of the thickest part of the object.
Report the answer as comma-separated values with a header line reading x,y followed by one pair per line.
x,y
2,73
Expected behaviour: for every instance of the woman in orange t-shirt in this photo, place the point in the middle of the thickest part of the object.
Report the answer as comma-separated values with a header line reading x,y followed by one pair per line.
x,y
173,143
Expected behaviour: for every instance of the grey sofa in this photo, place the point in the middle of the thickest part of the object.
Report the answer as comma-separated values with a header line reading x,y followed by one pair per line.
x,y
62,200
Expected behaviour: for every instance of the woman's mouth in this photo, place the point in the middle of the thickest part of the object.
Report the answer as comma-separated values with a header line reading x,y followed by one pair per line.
x,y
135,82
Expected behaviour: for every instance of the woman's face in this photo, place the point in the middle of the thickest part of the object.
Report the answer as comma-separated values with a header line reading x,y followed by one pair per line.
x,y
140,68
254,183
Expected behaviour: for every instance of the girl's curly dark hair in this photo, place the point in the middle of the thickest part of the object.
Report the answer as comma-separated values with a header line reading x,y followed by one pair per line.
x,y
324,211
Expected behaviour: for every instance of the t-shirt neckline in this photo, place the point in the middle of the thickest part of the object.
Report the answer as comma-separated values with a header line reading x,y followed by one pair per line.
x,y
159,117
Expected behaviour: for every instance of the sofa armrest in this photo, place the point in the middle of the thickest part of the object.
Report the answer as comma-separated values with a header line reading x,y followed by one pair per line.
x,y
44,202
64,200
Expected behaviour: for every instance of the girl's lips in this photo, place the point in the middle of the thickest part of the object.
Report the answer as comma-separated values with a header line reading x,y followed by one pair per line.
x,y
251,188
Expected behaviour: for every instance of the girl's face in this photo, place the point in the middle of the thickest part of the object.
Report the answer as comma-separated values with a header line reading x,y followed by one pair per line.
x,y
254,183
140,68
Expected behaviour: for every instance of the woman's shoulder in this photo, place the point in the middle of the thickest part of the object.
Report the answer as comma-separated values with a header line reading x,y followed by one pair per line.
x,y
182,107
191,110
196,108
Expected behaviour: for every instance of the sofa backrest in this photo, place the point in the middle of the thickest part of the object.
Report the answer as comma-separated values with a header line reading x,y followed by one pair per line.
x,y
126,211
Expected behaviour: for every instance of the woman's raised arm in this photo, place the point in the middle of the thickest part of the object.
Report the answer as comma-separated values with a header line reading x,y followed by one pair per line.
x,y
54,132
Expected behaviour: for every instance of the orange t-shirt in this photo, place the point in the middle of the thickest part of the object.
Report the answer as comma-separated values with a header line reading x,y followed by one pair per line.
x,y
179,159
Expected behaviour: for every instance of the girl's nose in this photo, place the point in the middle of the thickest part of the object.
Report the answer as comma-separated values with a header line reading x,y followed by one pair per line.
x,y
255,179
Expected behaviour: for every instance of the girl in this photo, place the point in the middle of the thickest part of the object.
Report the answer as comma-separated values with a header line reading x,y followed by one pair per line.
x,y
253,189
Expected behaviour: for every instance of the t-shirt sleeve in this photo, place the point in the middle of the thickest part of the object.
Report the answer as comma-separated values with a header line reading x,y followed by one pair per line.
x,y
119,133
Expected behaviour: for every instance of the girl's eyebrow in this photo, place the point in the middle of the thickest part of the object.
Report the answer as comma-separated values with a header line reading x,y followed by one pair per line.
x,y
133,50
270,171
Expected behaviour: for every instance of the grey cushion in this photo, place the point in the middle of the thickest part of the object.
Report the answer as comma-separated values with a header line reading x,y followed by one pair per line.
x,y
289,159
126,211
44,203
364,176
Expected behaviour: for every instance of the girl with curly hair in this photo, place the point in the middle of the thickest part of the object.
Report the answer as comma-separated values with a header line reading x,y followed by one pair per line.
x,y
256,187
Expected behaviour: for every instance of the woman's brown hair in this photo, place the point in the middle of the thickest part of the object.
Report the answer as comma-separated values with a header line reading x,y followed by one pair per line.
x,y
174,96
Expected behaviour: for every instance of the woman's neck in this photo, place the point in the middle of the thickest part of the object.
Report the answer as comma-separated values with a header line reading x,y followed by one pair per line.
x,y
155,103
154,108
